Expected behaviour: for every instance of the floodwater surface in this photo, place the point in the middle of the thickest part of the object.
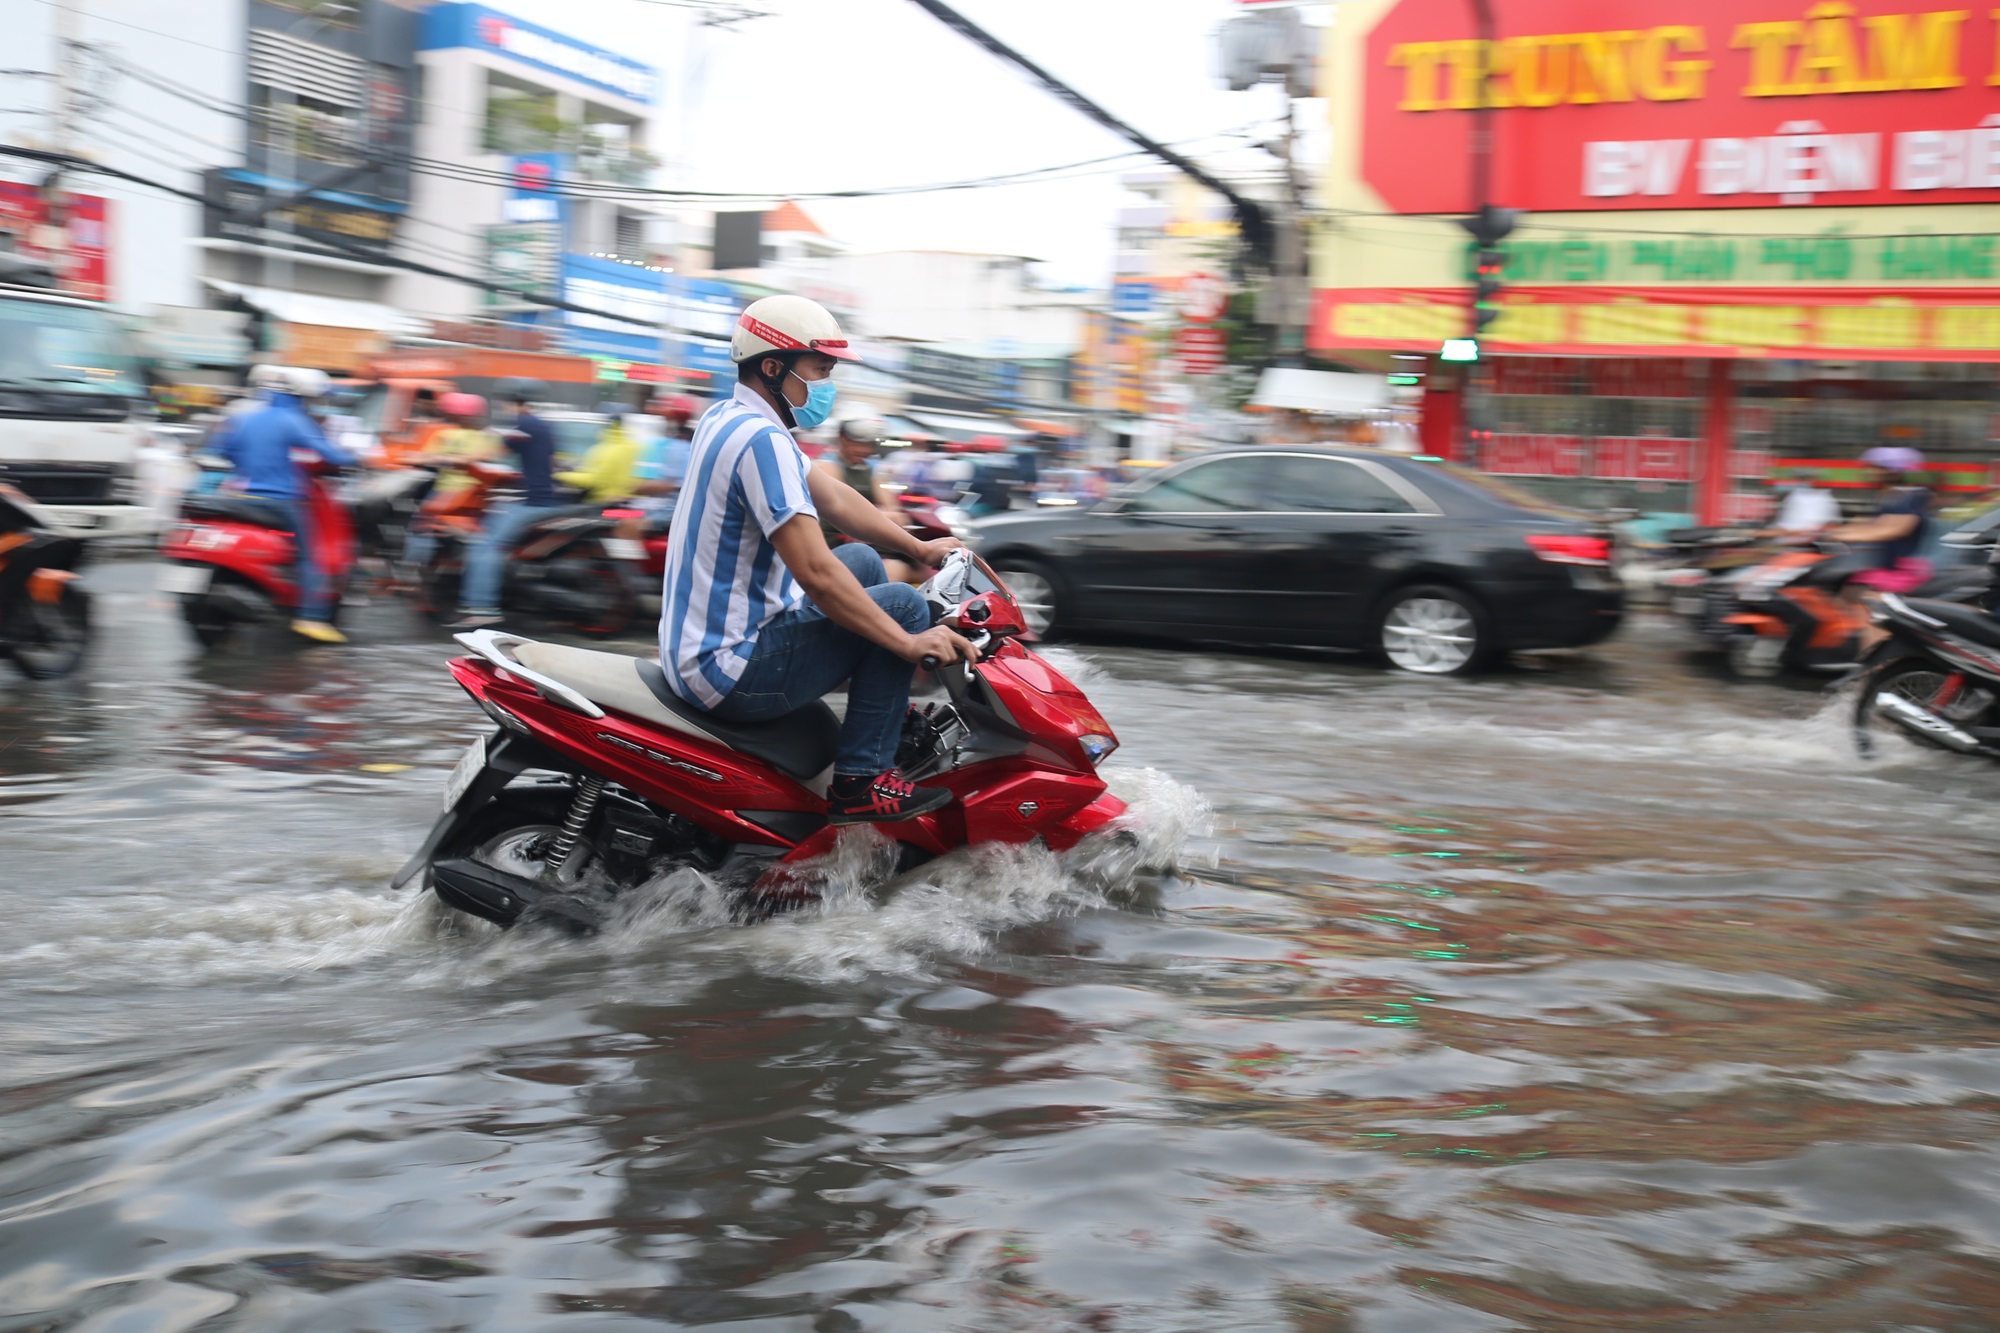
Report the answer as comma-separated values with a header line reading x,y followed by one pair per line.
x,y
1606,994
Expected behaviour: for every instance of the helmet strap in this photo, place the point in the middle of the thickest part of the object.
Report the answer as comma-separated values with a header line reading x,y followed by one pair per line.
x,y
775,386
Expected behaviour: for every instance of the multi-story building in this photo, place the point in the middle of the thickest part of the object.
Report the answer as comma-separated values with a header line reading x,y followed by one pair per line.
x,y
519,122
297,237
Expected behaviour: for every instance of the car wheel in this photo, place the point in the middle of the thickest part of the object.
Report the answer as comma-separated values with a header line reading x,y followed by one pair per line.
x,y
1432,630
1038,594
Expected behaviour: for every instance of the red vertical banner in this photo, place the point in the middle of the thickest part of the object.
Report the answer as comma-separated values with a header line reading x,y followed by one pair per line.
x,y
1717,445
1439,428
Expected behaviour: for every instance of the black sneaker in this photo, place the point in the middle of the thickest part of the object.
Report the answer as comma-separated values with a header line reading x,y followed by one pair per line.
x,y
884,799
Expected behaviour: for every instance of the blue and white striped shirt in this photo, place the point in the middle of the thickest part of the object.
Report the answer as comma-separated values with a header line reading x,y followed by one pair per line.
x,y
746,477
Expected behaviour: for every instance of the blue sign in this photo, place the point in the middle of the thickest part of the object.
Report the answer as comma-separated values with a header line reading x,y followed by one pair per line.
x,y
616,289
1131,298
703,318
533,197
482,29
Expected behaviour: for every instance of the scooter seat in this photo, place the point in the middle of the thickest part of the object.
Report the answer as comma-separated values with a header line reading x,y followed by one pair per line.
x,y
1969,621
800,743
237,509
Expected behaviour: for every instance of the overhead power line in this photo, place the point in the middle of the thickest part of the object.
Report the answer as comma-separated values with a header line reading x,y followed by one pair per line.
x,y
339,249
607,190
1251,219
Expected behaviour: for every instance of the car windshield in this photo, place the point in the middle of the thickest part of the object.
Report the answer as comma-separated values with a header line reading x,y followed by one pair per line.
x,y
64,348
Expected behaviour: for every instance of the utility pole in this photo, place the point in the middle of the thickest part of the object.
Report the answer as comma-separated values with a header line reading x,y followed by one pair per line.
x,y
1273,44
68,106
1291,278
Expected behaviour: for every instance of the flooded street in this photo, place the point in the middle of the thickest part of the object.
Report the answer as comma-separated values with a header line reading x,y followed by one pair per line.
x,y
1601,994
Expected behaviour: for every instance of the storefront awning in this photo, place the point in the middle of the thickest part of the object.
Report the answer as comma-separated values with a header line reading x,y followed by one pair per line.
x,y
327,311
965,425
1321,390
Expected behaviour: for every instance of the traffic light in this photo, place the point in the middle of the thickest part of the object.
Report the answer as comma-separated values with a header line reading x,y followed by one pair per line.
x,y
1488,227
1487,266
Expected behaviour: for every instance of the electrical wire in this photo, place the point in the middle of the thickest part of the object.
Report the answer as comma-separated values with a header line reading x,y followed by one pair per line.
x,y
1251,220
469,174
101,18
342,249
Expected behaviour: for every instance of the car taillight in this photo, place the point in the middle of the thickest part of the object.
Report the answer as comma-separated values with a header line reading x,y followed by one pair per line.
x,y
1563,549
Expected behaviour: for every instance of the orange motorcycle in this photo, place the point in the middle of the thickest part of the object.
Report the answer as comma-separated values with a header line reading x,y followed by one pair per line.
x,y
44,615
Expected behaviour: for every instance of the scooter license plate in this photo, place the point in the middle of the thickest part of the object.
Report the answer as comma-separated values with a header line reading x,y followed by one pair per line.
x,y
188,580
470,765
623,548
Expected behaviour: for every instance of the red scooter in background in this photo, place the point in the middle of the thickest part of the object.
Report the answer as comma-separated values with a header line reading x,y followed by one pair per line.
x,y
632,783
232,560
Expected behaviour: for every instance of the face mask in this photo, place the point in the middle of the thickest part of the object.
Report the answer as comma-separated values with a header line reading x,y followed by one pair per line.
x,y
819,401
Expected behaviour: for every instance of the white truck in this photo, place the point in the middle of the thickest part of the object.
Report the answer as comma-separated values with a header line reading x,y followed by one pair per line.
x,y
74,414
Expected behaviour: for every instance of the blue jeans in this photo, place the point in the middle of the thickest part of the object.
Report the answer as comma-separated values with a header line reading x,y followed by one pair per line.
x,y
486,560
315,588
800,655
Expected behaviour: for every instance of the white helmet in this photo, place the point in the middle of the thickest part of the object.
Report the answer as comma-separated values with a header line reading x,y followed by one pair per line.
x,y
297,380
787,324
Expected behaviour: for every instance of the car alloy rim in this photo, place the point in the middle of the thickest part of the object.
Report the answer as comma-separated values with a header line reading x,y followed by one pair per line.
x,y
1429,634
1034,596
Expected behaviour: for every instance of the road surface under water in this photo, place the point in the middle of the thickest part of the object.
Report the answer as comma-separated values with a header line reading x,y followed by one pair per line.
x,y
1608,995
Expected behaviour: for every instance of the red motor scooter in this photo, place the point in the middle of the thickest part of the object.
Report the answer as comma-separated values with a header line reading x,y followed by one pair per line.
x,y
232,560
635,784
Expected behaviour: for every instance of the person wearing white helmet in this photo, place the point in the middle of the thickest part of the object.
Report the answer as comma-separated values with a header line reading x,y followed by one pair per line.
x,y
260,444
759,617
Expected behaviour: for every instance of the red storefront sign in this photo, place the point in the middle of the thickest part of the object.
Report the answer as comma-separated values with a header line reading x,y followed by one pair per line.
x,y
1685,104
1868,323
1614,457
1203,350
75,242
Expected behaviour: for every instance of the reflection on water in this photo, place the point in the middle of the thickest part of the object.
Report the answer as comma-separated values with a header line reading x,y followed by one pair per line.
x,y
1603,997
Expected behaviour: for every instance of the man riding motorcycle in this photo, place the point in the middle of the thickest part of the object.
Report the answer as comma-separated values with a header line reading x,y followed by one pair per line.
x,y
759,616
259,443
534,444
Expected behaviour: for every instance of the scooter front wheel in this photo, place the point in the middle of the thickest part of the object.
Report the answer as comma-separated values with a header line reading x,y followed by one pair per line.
x,y
1920,700
1756,656
57,635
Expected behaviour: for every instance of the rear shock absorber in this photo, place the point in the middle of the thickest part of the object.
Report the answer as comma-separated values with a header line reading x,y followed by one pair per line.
x,y
589,791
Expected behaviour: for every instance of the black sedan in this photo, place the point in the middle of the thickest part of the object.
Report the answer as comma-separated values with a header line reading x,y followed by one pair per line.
x,y
1437,567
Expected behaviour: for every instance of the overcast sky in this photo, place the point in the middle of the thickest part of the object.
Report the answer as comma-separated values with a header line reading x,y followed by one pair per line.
x,y
839,94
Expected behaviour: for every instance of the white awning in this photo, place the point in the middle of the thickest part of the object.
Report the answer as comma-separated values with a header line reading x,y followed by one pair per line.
x,y
965,424
1322,390
330,311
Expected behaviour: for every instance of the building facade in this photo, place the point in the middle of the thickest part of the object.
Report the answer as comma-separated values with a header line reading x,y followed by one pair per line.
x,y
298,236
522,126
1757,239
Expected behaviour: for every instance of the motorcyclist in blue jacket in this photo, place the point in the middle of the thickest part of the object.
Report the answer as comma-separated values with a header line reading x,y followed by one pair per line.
x,y
260,444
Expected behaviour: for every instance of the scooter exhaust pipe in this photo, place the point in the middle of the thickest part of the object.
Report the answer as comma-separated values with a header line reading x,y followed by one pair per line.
x,y
1930,724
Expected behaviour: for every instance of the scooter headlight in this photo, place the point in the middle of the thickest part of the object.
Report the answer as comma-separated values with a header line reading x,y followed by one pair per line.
x,y
1097,746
